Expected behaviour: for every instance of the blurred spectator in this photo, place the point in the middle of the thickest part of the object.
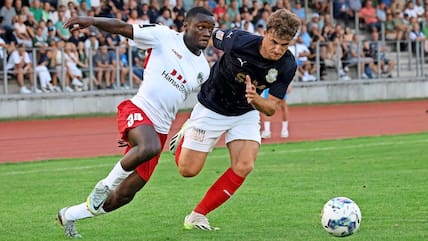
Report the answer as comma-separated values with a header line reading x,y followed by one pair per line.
x,y
353,54
313,22
322,6
299,10
395,28
368,15
153,11
165,18
417,38
8,13
52,13
19,8
420,10
179,9
411,10
52,38
233,9
39,38
52,67
304,67
92,42
343,11
42,67
73,65
179,22
62,32
381,12
36,10
103,67
61,65
22,32
281,4
246,23
306,37
220,10
263,19
76,37
378,51
20,65
347,34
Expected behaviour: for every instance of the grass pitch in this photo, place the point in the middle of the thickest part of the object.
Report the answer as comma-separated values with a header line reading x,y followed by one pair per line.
x,y
281,200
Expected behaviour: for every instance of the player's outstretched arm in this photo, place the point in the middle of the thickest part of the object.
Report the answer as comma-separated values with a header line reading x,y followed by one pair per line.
x,y
111,25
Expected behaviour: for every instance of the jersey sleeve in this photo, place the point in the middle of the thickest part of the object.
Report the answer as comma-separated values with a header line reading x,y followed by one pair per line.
x,y
279,88
150,35
223,39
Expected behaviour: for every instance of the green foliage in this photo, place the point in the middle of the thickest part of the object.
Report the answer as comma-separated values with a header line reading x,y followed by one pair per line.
x,y
281,200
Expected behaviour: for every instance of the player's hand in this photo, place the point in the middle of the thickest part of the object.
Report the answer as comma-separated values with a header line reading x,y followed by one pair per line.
x,y
76,23
250,90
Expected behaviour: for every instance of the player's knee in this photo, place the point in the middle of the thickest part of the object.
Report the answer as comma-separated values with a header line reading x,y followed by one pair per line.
x,y
243,169
148,151
188,171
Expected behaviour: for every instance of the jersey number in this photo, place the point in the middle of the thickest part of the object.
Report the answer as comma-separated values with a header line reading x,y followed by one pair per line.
x,y
134,117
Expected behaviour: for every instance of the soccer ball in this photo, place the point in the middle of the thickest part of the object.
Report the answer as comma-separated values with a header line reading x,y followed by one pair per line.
x,y
341,217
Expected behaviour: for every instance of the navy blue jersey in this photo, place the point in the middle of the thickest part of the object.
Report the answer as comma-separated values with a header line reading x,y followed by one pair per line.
x,y
224,91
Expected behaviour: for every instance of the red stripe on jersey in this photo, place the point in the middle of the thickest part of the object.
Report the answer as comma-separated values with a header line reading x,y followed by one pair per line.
x,y
146,60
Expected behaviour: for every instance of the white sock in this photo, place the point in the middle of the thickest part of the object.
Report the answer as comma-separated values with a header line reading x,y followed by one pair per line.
x,y
116,176
267,126
78,212
285,125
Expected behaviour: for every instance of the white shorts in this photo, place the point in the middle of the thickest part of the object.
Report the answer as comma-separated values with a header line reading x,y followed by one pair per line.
x,y
205,127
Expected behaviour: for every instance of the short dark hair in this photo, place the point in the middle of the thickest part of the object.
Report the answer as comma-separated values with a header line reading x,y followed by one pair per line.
x,y
194,11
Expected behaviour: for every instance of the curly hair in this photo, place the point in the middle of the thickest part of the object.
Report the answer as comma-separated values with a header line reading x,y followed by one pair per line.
x,y
284,24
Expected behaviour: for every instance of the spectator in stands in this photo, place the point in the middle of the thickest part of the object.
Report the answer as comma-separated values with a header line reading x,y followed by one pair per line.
x,y
21,32
73,65
61,66
354,54
92,43
343,11
179,9
266,133
347,34
20,65
36,10
247,24
165,18
322,6
378,51
424,24
418,38
368,15
8,13
83,63
304,67
313,22
51,38
52,67
61,32
103,67
220,10
381,12
153,11
233,9
76,37
38,37
334,54
411,10
299,10
42,67
51,12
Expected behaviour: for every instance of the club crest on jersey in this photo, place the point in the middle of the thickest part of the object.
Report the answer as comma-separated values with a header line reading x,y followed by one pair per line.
x,y
219,35
272,75
200,78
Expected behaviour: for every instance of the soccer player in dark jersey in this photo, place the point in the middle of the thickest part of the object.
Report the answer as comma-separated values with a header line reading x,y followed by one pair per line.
x,y
175,67
229,102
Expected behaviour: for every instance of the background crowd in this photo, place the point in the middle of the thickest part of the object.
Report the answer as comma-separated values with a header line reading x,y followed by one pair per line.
x,y
338,34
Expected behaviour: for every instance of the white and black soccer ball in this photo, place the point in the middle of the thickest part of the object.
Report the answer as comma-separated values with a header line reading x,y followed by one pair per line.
x,y
341,217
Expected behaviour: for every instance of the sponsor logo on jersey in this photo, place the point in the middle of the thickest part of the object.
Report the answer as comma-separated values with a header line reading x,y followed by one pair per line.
x,y
176,80
197,134
242,61
177,54
272,75
200,78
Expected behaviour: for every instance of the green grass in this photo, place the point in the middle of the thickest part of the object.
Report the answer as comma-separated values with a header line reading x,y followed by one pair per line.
x,y
281,200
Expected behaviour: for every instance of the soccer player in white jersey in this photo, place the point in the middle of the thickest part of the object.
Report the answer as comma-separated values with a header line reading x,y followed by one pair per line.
x,y
230,101
174,67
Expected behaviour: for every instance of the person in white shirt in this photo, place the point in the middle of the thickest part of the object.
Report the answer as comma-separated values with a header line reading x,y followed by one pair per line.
x,y
174,67
20,65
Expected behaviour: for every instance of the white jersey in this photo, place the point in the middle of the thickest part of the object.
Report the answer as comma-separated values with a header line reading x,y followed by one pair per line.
x,y
171,73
